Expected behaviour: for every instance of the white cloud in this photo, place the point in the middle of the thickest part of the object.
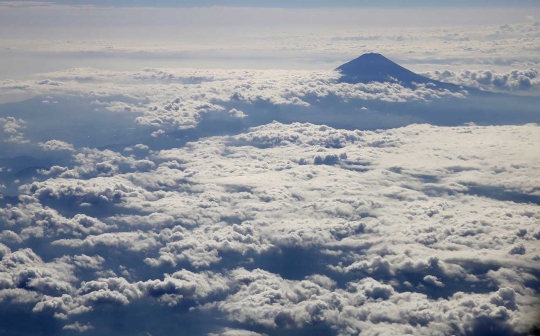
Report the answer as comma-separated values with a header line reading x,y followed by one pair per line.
x,y
515,80
235,332
78,327
56,145
179,99
11,130
412,222
237,114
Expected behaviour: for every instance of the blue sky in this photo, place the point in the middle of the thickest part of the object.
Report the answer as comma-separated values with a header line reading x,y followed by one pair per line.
x,y
300,3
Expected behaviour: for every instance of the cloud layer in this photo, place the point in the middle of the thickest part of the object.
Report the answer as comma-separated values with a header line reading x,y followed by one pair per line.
x,y
173,99
286,228
515,80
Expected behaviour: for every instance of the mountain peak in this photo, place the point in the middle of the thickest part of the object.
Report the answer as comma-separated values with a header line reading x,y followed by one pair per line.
x,y
372,56
374,67
367,60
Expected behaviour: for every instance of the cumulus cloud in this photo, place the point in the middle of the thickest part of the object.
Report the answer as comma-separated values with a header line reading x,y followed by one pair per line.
x,y
78,327
515,80
56,145
237,114
12,130
288,227
235,332
173,99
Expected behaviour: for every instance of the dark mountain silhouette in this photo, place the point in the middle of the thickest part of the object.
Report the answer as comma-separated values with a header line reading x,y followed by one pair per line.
x,y
374,67
18,163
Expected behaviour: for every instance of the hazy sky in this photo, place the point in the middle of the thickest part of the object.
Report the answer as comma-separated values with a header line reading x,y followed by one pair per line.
x,y
313,37
298,3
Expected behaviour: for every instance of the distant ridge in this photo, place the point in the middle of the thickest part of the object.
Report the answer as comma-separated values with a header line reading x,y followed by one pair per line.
x,y
373,67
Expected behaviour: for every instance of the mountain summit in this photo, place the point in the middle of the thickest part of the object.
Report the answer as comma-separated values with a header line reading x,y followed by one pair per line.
x,y
374,67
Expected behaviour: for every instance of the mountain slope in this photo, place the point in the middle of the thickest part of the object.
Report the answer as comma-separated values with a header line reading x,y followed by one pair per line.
x,y
374,67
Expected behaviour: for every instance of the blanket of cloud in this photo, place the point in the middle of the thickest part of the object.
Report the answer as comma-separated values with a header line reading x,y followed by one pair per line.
x,y
160,108
515,80
297,229
165,108
251,202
